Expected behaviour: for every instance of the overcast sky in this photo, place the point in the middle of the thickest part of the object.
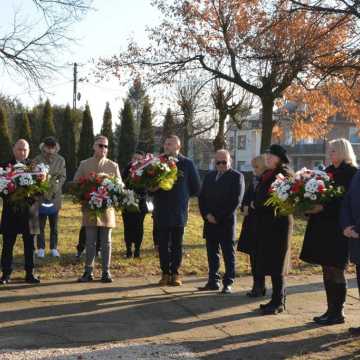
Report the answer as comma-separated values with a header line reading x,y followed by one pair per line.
x,y
101,33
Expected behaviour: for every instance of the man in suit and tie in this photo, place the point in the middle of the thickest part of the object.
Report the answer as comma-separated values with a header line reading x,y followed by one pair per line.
x,y
20,221
171,212
220,196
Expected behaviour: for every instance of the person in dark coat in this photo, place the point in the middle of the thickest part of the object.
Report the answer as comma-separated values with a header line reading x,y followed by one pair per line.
x,y
272,232
171,213
220,196
246,242
17,221
134,221
350,224
324,243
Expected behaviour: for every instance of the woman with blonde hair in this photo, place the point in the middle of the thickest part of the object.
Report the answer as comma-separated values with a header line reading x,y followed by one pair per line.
x,y
246,242
324,243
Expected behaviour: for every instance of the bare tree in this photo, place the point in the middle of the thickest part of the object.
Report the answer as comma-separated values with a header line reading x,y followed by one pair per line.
x,y
28,46
194,119
230,102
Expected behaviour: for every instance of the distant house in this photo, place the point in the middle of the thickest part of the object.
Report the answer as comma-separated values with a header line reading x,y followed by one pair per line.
x,y
244,143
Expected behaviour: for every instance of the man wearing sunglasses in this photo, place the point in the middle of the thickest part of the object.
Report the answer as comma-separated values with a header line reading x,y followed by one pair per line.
x,y
221,194
99,227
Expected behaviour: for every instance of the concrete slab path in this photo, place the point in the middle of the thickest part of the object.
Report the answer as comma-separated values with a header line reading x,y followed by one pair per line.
x,y
133,318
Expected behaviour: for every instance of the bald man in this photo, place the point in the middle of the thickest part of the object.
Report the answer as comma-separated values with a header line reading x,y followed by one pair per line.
x,y
221,194
17,222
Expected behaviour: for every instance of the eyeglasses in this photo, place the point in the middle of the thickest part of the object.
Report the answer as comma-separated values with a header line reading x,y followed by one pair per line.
x,y
221,162
102,146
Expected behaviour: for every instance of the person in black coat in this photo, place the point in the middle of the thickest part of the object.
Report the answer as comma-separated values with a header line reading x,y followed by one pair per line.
x,y
220,196
350,224
17,221
246,242
134,221
324,244
171,213
272,232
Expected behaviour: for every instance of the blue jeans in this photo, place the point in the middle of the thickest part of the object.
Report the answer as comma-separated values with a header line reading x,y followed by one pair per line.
x,y
53,221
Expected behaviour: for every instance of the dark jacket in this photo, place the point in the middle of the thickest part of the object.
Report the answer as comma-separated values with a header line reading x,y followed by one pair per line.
x,y
272,233
246,239
324,243
350,216
171,207
14,222
221,198
141,194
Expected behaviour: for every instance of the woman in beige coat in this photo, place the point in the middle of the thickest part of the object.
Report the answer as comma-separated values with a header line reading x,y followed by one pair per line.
x,y
101,225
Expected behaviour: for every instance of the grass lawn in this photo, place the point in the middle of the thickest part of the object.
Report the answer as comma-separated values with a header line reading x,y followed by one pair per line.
x,y
194,261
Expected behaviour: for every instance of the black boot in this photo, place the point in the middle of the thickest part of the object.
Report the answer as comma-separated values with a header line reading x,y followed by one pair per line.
x,y
276,306
87,277
327,285
336,314
258,289
137,252
31,279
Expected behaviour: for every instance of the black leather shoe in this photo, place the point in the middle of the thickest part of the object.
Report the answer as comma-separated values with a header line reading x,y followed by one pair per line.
x,y
331,319
5,279
226,289
87,277
128,255
136,253
106,278
273,309
31,279
209,287
354,331
263,306
321,317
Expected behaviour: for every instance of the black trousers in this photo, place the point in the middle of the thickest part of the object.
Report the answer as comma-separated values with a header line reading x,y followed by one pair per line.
x,y
7,252
170,248
82,241
133,228
213,245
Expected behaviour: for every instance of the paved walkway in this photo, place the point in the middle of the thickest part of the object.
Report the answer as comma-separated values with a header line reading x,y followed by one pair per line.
x,y
135,319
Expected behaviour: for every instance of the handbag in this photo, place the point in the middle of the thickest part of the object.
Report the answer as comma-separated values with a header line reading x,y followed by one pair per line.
x,y
47,209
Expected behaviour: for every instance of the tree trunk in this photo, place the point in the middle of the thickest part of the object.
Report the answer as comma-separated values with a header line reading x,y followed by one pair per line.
x,y
219,141
266,122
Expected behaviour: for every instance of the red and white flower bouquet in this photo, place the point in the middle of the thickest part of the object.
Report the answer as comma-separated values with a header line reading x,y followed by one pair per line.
x,y
20,184
301,193
98,192
154,172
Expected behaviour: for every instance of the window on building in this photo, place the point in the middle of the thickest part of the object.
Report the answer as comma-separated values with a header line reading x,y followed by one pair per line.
x,y
241,145
231,143
354,135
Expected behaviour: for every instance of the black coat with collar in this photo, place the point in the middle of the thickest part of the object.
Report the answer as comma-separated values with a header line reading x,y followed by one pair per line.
x,y
171,207
221,198
14,222
272,233
324,243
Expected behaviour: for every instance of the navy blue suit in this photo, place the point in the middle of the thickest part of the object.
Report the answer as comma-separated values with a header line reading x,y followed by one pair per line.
x,y
221,197
171,213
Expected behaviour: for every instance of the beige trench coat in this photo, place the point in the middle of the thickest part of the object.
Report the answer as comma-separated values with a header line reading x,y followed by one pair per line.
x,y
107,219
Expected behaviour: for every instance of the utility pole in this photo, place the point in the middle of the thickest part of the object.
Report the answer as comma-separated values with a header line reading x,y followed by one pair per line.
x,y
75,86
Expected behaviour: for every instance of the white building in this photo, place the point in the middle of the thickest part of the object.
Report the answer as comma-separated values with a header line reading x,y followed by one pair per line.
x,y
244,144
